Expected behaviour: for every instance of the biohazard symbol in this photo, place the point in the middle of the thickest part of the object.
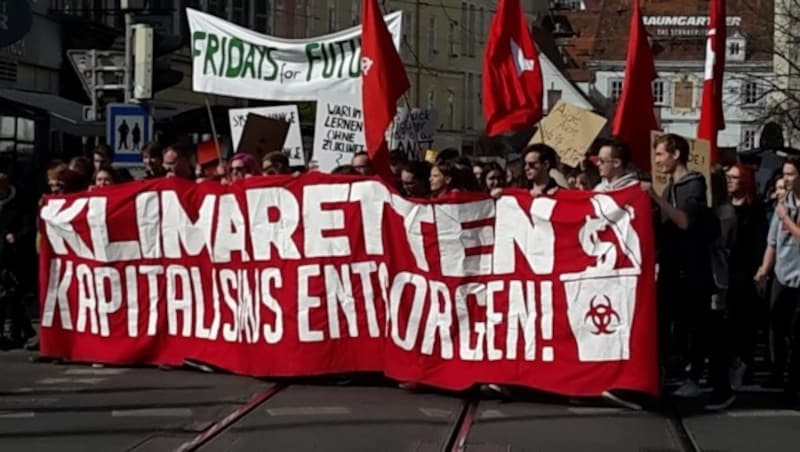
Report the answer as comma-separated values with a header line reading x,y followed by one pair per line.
x,y
601,314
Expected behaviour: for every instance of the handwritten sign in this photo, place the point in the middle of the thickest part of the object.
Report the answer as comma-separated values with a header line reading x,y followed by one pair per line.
x,y
570,130
699,160
293,147
412,131
338,131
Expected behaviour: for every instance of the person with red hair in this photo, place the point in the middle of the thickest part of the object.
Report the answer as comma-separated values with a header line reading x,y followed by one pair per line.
x,y
743,301
243,166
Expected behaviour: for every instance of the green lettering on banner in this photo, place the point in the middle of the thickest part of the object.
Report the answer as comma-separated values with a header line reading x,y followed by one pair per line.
x,y
341,54
355,57
262,53
212,47
249,62
311,57
272,63
328,63
235,64
222,47
197,36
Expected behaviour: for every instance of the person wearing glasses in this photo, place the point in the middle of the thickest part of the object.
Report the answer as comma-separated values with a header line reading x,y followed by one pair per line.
x,y
538,159
242,166
275,162
612,163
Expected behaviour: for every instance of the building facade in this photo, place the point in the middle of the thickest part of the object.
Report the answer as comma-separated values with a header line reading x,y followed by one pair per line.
x,y
678,35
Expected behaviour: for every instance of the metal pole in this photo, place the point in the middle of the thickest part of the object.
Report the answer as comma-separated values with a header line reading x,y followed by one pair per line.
x,y
128,57
93,59
417,82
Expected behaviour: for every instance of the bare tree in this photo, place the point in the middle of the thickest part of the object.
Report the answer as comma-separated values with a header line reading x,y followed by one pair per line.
x,y
779,91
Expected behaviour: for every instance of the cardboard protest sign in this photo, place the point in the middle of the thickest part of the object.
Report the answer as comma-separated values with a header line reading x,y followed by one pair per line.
x,y
338,132
293,147
412,131
699,160
261,136
570,130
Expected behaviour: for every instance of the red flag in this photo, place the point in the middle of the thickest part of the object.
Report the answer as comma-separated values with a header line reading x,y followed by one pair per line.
x,y
712,118
512,77
635,116
384,81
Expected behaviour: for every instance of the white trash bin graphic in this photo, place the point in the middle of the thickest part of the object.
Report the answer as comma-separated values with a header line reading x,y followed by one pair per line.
x,y
600,311
601,300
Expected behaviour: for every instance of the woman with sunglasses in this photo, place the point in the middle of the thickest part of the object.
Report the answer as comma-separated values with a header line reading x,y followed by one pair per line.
x,y
242,166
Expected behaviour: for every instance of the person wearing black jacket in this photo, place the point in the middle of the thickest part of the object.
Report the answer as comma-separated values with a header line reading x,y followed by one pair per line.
x,y
687,230
12,230
744,313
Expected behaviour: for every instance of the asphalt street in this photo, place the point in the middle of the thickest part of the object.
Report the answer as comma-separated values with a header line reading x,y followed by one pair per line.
x,y
79,407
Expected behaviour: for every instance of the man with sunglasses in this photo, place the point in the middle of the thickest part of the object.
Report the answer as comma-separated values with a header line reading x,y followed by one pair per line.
x,y
612,163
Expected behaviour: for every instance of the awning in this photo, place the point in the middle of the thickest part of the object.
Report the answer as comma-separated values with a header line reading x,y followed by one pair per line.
x,y
67,115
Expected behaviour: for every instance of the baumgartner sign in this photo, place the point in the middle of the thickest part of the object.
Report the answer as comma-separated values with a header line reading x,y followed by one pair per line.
x,y
234,61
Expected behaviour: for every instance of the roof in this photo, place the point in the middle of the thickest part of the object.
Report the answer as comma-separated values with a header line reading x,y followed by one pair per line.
x,y
685,42
67,114
575,43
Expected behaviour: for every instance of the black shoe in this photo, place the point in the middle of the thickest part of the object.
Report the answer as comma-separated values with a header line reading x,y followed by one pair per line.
x,y
720,400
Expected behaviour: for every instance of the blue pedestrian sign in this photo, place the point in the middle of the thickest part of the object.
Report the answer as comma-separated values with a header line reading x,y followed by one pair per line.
x,y
129,127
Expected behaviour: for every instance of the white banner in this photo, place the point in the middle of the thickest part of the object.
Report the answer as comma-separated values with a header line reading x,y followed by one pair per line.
x,y
338,131
234,61
293,147
412,131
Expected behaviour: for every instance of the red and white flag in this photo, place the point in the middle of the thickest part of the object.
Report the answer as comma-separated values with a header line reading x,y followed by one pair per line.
x,y
512,76
384,81
712,118
635,116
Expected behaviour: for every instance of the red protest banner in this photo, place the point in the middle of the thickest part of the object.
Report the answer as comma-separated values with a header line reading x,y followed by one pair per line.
x,y
282,276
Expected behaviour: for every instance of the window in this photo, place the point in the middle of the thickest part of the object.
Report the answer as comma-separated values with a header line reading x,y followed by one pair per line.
x,y
469,101
464,30
261,20
658,92
332,23
615,90
748,138
553,96
356,19
473,16
451,39
451,109
750,93
683,94
482,25
16,135
432,39
238,15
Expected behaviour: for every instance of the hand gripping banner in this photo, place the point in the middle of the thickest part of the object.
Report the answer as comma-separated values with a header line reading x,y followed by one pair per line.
x,y
325,274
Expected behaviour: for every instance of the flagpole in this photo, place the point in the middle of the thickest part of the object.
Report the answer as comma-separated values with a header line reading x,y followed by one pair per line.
x,y
213,129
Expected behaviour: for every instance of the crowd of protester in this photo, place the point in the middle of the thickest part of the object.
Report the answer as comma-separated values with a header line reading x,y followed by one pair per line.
x,y
727,269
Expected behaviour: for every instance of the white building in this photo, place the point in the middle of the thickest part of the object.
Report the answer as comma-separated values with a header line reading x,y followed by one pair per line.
x,y
677,30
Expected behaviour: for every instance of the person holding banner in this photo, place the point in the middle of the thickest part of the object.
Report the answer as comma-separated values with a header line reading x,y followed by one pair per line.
x,y
242,166
362,164
613,159
175,164
274,163
685,281
539,159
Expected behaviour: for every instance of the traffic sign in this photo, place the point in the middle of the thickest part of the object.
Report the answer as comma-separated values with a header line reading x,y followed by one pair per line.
x,y
129,127
101,69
